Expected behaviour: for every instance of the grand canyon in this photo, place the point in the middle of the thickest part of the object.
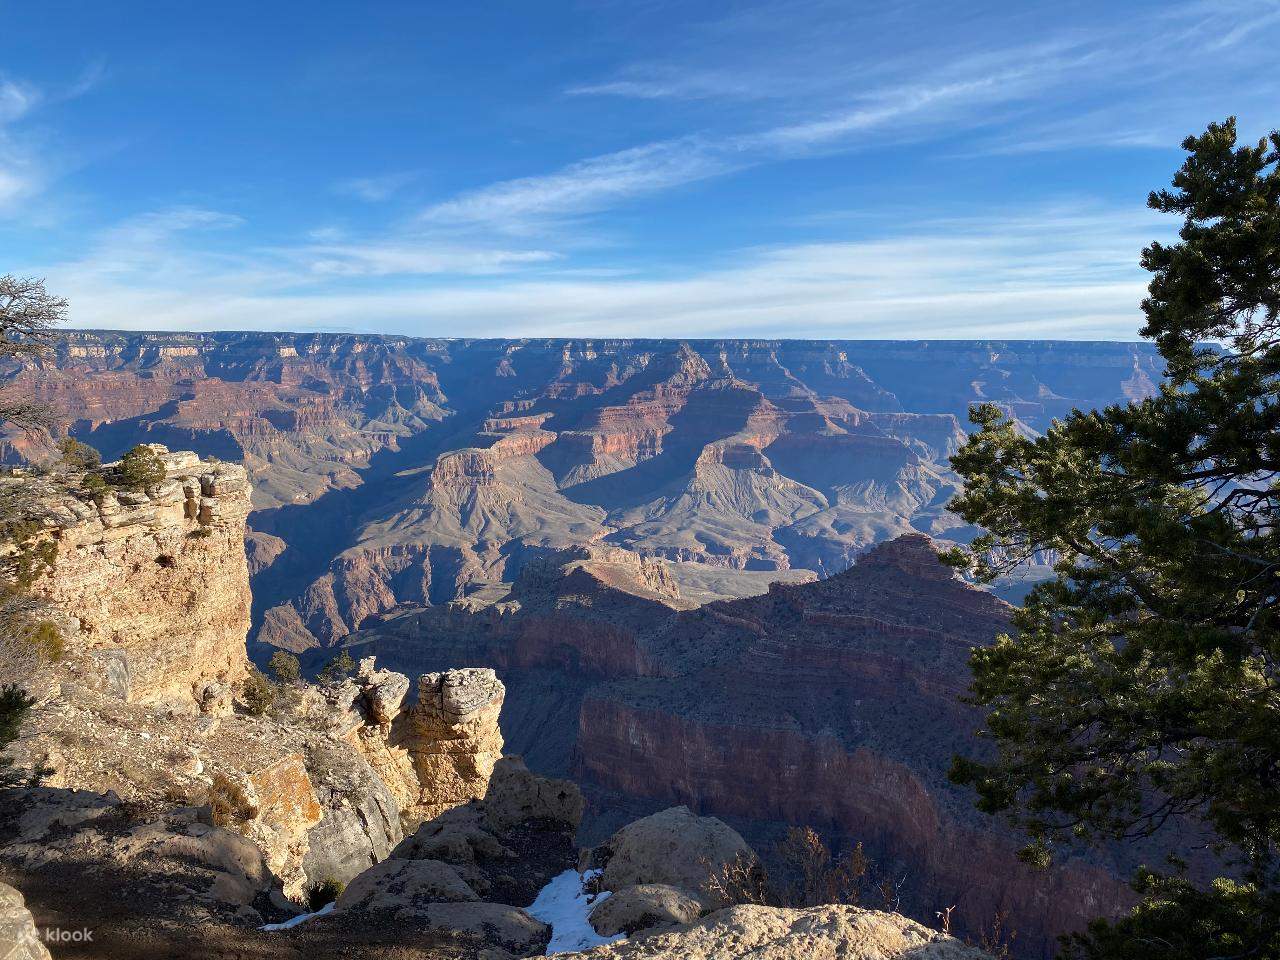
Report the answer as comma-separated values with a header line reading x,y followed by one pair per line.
x,y
705,572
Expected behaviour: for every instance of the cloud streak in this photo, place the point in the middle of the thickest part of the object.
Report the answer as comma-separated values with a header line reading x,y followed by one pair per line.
x,y
1047,272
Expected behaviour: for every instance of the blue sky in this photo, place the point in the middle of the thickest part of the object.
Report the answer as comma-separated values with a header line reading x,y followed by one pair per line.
x,y
643,168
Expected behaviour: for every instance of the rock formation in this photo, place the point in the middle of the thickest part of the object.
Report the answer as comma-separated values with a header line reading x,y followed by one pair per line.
x,y
772,933
675,849
19,938
436,752
152,585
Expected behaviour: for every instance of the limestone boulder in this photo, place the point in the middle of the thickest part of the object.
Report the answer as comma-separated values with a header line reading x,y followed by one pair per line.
x,y
771,933
497,924
456,836
383,691
440,751
641,907
673,847
394,886
517,795
19,937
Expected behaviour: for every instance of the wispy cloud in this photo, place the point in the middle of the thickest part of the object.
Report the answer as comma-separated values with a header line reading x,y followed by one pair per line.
x,y
1068,271
16,100
24,169
587,185
406,259
600,182
376,189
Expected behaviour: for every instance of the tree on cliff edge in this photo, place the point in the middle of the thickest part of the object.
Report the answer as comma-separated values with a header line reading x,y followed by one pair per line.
x,y
1143,683
28,318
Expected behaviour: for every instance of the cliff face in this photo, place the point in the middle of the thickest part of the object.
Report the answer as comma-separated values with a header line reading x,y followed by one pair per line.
x,y
153,586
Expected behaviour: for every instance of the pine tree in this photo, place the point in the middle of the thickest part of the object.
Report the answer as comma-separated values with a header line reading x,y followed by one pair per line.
x,y
1142,684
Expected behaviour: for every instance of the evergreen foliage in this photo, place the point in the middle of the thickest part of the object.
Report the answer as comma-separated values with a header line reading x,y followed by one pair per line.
x,y
1142,684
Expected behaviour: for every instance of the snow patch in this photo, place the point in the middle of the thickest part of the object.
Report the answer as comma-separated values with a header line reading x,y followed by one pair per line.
x,y
300,918
564,904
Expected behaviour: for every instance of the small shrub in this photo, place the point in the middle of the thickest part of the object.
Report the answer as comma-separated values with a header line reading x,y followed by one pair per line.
x,y
229,806
258,693
47,641
140,468
285,667
339,668
94,485
742,880
79,456
323,892
199,533
166,560
15,704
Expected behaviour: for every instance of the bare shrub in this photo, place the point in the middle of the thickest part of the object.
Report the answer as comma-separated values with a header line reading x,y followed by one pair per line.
x,y
816,875
229,805
997,937
742,880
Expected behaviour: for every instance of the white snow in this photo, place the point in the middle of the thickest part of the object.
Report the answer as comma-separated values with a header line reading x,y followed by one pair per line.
x,y
300,918
565,905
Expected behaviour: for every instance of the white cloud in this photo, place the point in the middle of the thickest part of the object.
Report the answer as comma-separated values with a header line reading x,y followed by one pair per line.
x,y
584,186
390,259
376,189
1065,272
16,100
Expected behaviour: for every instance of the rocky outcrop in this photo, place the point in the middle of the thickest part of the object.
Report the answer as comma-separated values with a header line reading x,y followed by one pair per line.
x,y
772,933
834,704
206,871
436,752
152,585
19,937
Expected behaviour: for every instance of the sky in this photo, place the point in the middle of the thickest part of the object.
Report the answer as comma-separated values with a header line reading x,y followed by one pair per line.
x,y
588,169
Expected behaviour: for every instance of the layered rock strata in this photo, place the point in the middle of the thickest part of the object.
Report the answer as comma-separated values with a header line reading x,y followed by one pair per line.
x,y
152,585
435,752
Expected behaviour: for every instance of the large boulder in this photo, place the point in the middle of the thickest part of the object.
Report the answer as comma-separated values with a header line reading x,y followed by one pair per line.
x,y
456,836
771,933
19,938
641,907
516,795
405,887
673,847
497,924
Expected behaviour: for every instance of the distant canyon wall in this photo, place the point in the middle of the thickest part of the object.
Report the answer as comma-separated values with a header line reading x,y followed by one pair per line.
x,y
394,472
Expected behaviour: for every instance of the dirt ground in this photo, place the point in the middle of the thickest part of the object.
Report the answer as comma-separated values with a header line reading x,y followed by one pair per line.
x,y
125,916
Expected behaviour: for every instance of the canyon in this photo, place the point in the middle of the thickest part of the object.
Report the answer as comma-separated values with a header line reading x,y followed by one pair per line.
x,y
699,573
394,472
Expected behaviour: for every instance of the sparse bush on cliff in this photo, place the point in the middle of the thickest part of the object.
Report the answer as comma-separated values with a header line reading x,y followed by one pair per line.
x,y
15,704
95,485
78,455
229,805
138,469
815,875
285,667
257,693
339,668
